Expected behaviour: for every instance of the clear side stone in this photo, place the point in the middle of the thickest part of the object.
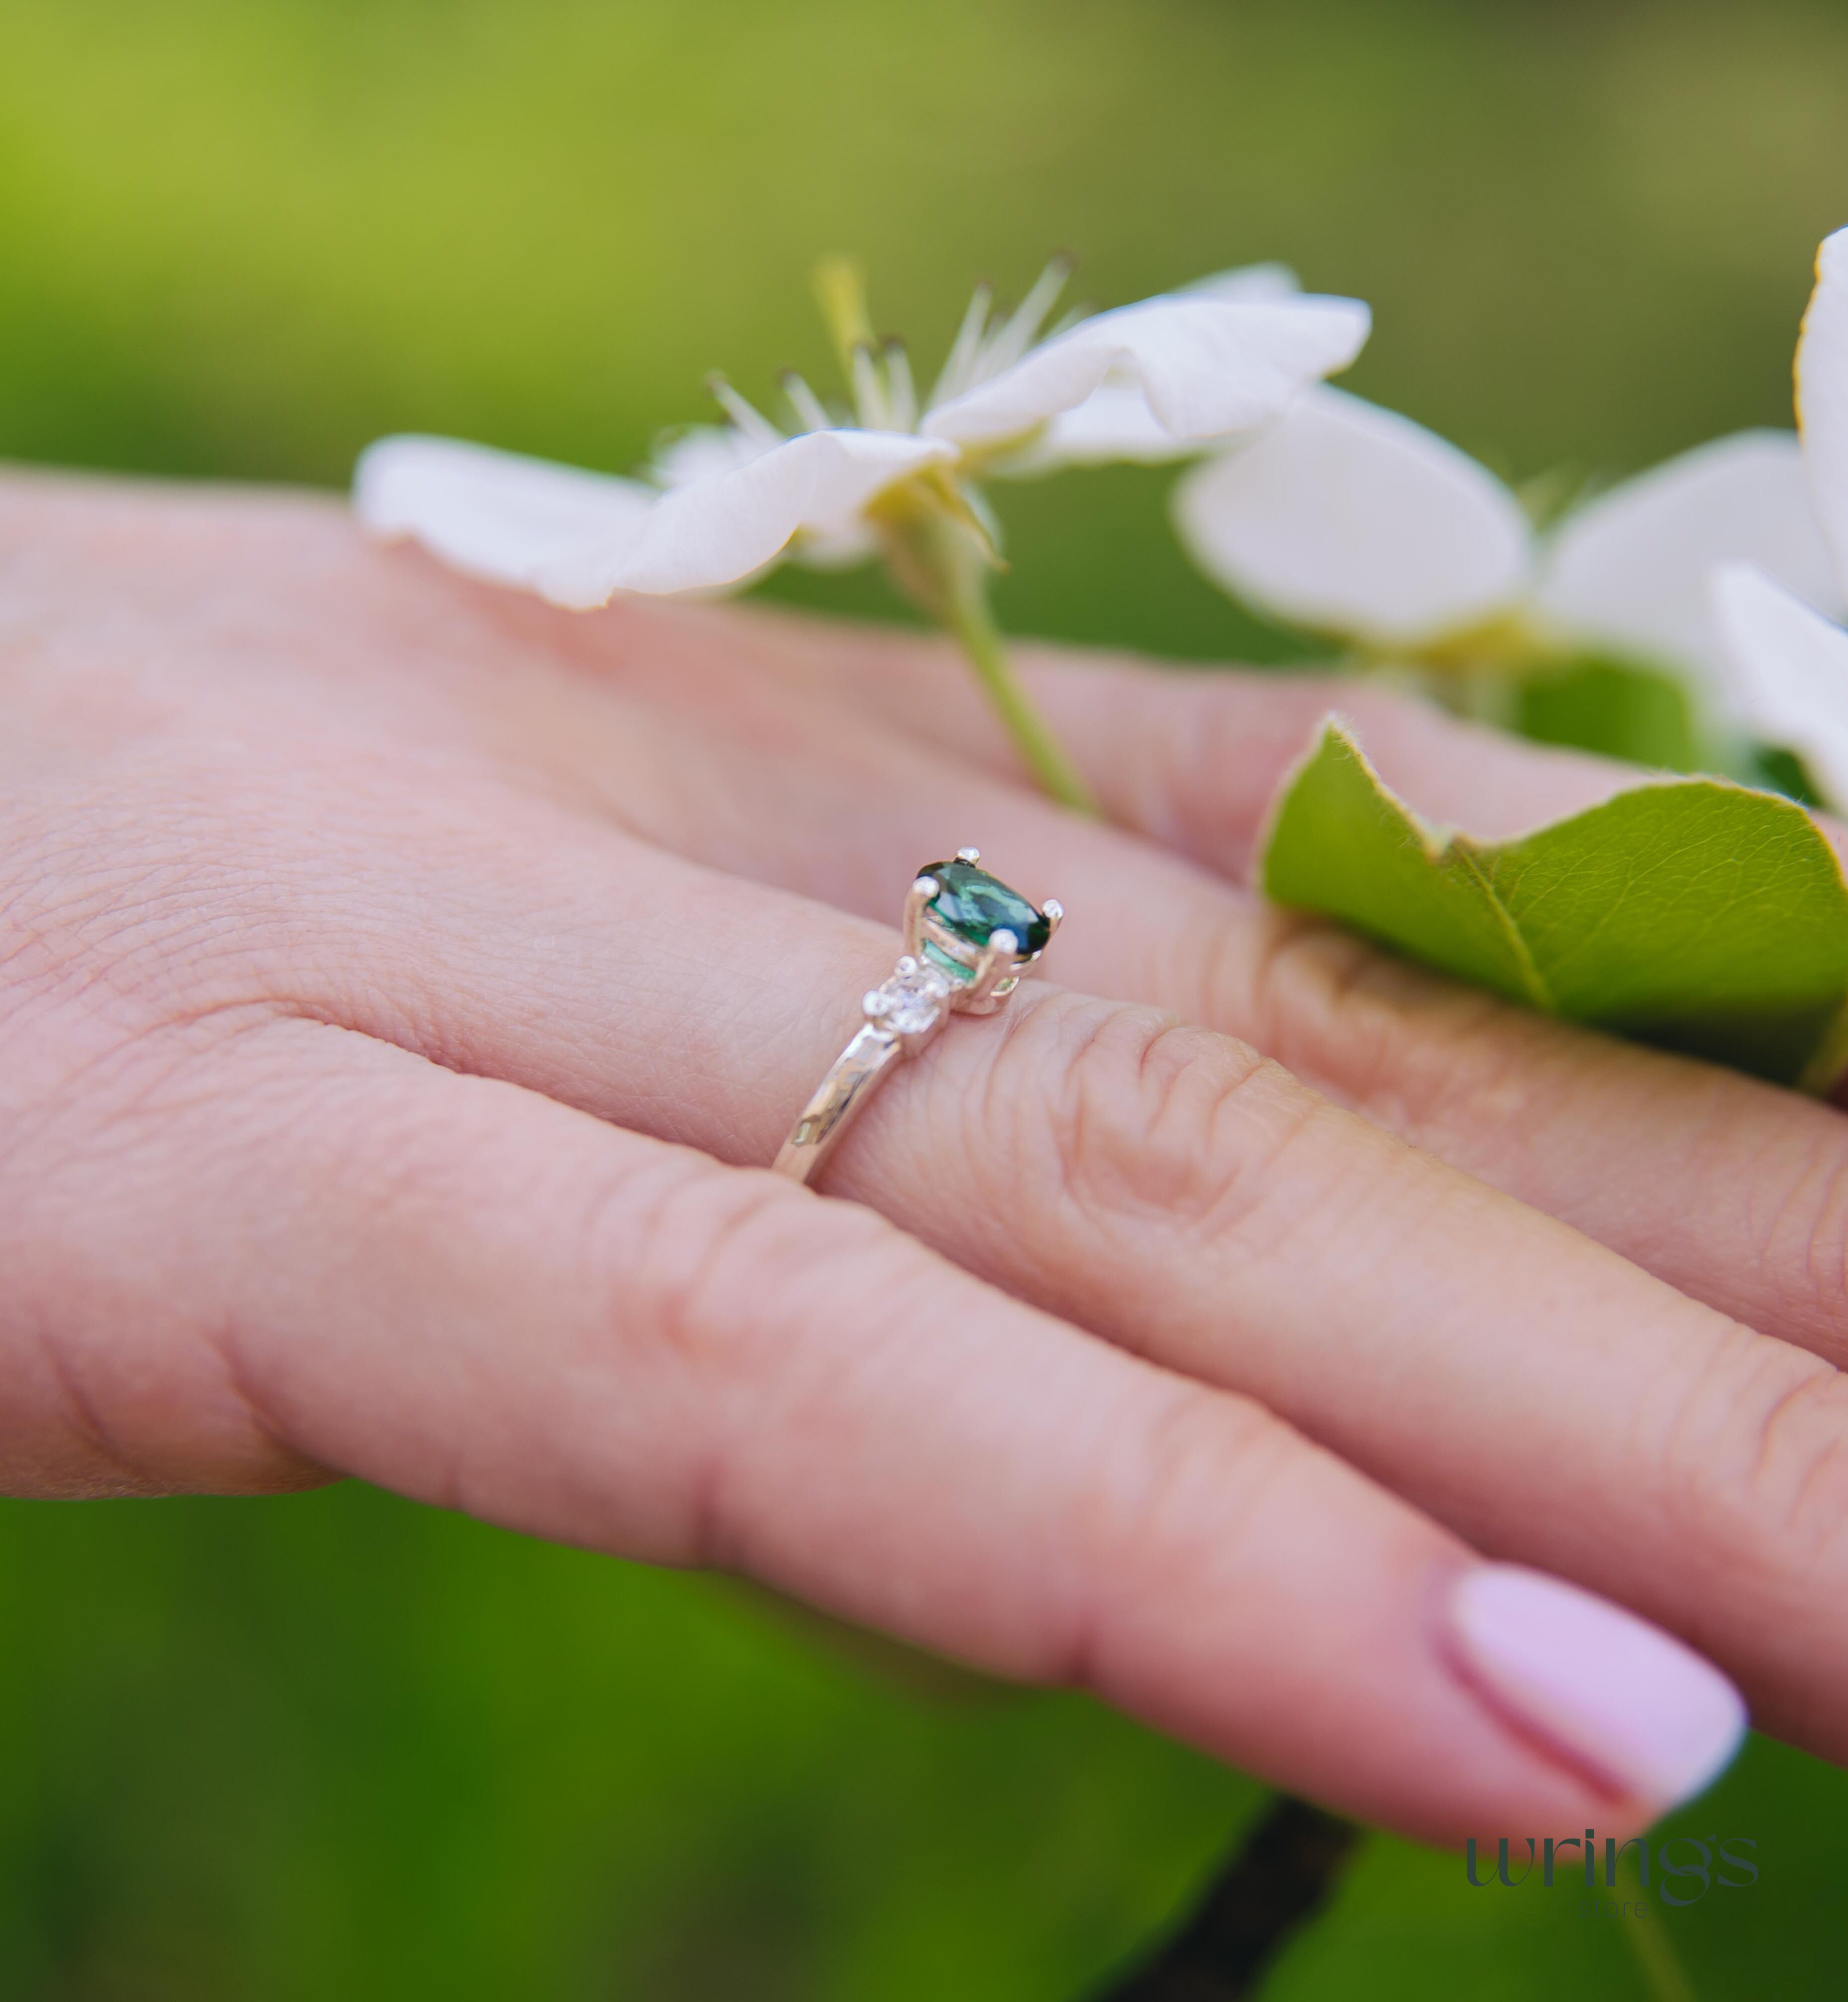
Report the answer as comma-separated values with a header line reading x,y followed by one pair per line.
x,y
911,1001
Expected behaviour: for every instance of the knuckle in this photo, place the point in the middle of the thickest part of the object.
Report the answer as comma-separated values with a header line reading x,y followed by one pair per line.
x,y
702,1265
1433,1056
1186,1502
723,1288
1778,1488
1288,974
1136,1117
1800,1468
1802,1236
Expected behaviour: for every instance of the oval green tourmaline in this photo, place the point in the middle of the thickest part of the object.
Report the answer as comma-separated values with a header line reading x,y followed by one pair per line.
x,y
972,904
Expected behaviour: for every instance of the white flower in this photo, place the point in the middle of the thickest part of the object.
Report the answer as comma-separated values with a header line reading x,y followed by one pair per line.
x,y
1167,376
1114,423
1353,521
1790,663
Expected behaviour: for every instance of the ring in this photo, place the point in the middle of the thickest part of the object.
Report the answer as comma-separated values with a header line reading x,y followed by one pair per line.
x,y
968,938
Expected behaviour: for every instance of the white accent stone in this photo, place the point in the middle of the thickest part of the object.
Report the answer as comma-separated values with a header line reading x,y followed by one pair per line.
x,y
911,1002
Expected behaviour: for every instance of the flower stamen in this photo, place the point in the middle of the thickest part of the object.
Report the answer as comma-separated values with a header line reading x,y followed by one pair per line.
x,y
954,378
902,392
1004,347
869,392
811,412
749,420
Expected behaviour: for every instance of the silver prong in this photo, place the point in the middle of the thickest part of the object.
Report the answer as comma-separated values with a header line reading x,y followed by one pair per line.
x,y
915,898
1054,913
998,960
873,1003
968,855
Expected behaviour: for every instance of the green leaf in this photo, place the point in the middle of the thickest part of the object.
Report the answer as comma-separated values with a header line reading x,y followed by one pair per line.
x,y
1614,707
1783,771
1691,913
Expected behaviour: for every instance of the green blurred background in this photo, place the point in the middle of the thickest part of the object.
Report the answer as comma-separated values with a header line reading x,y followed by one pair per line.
x,y
335,1745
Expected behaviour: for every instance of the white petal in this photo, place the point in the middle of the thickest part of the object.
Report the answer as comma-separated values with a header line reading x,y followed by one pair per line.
x,y
702,451
834,549
1631,570
1112,424
1789,672
493,515
1246,283
1207,369
1351,519
1822,396
718,531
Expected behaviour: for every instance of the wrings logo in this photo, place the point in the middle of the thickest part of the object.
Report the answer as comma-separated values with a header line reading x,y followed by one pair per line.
x,y
1686,1867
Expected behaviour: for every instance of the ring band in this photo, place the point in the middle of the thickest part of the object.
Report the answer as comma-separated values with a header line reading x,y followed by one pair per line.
x,y
968,938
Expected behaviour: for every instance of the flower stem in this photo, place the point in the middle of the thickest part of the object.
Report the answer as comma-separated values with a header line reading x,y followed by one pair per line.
x,y
965,615
939,553
1656,1959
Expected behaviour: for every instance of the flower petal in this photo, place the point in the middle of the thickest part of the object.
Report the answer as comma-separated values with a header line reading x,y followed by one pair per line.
x,y
1630,569
701,451
493,515
834,549
1822,396
1207,369
1114,423
721,530
1351,519
1789,672
1244,283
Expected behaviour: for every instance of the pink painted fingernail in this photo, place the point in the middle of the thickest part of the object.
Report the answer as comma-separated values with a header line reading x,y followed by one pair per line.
x,y
1608,1689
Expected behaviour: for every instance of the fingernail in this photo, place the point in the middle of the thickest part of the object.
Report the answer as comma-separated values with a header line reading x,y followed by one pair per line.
x,y
1609,1689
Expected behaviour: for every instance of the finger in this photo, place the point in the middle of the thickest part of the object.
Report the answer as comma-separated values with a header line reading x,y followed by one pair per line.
x,y
1736,1194
1160,1184
1732,1191
490,1302
1192,756
380,955
1645,1152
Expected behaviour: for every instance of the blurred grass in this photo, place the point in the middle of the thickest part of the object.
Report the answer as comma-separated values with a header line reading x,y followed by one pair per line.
x,y
336,1745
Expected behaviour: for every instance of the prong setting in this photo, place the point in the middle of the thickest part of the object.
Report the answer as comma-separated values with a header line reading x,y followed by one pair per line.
x,y
917,899
978,931
998,959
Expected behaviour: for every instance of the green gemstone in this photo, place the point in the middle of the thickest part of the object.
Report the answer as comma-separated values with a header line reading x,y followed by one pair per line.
x,y
971,904
954,967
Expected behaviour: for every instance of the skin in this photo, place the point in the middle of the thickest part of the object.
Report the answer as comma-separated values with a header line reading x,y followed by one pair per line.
x,y
403,985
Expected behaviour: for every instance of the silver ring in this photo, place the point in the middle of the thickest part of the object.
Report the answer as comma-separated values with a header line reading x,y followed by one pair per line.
x,y
968,938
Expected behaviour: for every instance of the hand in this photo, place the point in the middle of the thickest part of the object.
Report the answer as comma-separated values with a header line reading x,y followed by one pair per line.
x,y
365,937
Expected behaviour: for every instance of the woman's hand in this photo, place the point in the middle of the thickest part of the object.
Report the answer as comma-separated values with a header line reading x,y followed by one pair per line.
x,y
365,936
